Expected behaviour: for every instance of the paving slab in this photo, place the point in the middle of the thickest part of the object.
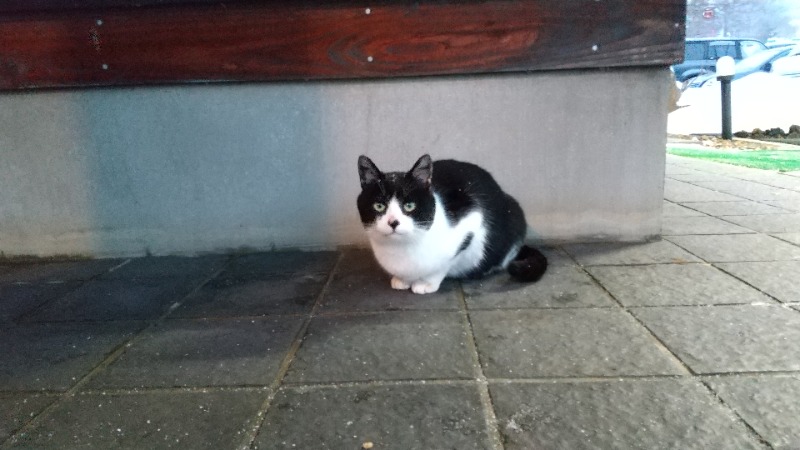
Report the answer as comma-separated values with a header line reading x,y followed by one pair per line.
x,y
55,356
567,343
408,345
789,205
57,271
741,208
200,353
168,267
232,297
635,414
562,286
147,420
115,300
728,339
20,299
614,253
17,408
698,175
280,263
738,247
769,404
670,209
777,278
413,417
679,192
674,284
750,190
359,284
769,223
673,226
793,238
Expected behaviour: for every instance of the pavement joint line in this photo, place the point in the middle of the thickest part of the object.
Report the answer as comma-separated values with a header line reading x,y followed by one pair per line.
x,y
750,430
111,357
489,415
172,390
658,342
120,265
254,427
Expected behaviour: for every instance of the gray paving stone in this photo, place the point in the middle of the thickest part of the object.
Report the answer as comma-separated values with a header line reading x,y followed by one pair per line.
x,y
201,353
789,205
282,263
738,247
777,278
19,299
229,297
769,223
567,343
724,339
675,210
56,271
147,420
741,208
698,175
55,356
361,285
384,346
672,226
679,192
17,408
169,267
629,253
562,286
793,238
771,405
674,284
750,190
408,417
640,414
115,300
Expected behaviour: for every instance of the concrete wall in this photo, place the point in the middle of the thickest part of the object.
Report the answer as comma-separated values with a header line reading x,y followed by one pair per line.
x,y
204,168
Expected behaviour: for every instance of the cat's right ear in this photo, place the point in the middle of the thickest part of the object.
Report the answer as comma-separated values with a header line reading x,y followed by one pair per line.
x,y
368,171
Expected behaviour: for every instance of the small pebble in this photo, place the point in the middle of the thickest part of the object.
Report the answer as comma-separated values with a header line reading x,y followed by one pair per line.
x,y
366,445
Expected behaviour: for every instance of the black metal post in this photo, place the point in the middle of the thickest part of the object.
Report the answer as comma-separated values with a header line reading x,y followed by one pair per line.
x,y
725,85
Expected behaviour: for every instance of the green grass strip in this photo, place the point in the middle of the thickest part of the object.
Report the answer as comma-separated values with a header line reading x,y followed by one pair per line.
x,y
783,160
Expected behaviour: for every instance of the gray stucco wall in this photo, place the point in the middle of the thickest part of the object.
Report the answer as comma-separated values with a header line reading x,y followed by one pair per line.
x,y
202,168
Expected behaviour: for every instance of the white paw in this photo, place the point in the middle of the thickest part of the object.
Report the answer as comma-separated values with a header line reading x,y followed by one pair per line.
x,y
423,287
399,284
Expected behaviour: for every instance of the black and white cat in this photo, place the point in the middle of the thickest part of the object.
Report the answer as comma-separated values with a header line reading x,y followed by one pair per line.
x,y
443,219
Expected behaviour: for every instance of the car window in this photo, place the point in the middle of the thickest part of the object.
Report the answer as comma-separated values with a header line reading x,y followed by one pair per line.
x,y
749,48
695,50
717,50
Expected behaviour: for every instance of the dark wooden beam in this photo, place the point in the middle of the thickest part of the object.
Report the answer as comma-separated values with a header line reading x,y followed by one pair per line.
x,y
171,41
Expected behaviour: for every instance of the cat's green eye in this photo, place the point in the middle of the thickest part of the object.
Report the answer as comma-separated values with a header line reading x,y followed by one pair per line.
x,y
409,206
378,206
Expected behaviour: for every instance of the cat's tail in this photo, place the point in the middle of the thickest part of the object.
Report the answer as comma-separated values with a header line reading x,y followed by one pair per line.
x,y
529,264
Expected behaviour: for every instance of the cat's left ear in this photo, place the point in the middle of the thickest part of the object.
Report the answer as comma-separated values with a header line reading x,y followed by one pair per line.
x,y
423,170
368,171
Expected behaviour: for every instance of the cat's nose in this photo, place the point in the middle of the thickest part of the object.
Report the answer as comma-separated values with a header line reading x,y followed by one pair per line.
x,y
394,223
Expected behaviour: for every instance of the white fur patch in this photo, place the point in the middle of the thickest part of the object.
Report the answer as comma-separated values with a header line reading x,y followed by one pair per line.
x,y
422,258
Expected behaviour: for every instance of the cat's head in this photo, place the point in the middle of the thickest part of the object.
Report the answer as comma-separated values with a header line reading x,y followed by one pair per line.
x,y
396,205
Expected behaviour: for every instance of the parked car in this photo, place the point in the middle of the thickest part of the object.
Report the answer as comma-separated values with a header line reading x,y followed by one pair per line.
x,y
701,54
760,62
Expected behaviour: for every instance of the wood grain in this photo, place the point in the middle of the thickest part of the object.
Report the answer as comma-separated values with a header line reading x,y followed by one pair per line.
x,y
200,42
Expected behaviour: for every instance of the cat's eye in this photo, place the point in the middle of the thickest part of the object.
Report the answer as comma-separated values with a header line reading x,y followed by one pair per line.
x,y
378,206
409,206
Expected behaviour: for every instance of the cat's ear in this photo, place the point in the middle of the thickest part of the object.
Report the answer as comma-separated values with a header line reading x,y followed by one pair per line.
x,y
423,170
368,171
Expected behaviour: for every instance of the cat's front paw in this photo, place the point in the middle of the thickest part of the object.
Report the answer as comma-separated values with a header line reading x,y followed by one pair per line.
x,y
399,284
423,287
